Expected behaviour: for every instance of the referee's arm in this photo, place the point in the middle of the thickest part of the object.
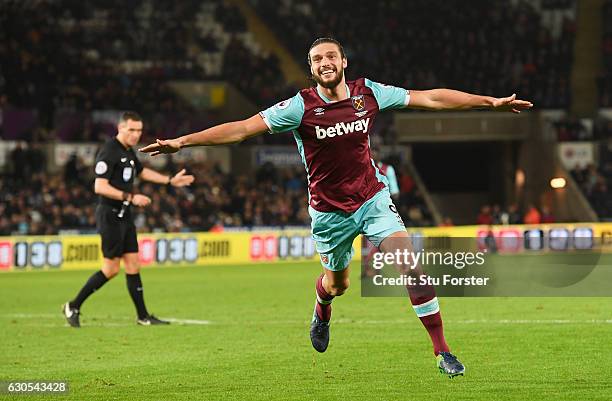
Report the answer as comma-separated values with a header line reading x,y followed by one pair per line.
x,y
103,188
180,179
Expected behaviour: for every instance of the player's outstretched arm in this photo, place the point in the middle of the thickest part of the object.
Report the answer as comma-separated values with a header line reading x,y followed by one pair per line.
x,y
448,99
233,132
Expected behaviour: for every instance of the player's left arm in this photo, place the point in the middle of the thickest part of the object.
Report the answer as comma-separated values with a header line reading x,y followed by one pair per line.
x,y
180,179
449,99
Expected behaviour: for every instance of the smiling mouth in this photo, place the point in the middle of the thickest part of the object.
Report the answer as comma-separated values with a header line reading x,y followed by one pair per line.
x,y
327,73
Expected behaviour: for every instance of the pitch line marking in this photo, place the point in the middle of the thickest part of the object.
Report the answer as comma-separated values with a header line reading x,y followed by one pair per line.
x,y
337,321
188,321
94,323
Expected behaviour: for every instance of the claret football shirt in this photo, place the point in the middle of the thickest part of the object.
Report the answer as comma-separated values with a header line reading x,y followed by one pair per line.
x,y
333,140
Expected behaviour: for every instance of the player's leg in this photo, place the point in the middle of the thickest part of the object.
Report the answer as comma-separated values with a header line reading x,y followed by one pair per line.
x,y
426,307
333,234
384,228
422,297
330,284
135,288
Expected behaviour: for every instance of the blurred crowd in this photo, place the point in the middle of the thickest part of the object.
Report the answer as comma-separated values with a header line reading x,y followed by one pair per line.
x,y
495,214
604,83
107,55
69,55
48,204
100,55
495,48
595,179
574,129
35,202
596,184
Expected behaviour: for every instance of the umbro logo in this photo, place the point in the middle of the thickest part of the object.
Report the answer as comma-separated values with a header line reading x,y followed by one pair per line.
x,y
319,111
361,113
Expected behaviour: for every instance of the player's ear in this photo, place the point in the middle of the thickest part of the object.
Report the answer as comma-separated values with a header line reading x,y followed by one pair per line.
x,y
344,62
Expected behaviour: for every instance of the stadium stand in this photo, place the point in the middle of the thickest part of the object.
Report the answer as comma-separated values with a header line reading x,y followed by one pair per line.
x,y
595,180
69,54
605,80
48,204
495,214
536,63
269,197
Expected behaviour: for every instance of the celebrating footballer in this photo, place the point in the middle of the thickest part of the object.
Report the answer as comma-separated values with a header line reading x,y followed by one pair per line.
x,y
348,194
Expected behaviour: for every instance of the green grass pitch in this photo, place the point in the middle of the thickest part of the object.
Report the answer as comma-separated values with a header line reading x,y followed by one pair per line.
x,y
256,345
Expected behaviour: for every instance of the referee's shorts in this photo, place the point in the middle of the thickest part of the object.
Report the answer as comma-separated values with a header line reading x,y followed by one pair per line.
x,y
118,233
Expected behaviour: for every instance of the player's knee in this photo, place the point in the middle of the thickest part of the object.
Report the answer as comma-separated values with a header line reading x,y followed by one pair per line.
x,y
339,287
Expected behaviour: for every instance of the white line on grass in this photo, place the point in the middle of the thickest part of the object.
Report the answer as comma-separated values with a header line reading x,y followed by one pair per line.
x,y
97,323
93,322
188,321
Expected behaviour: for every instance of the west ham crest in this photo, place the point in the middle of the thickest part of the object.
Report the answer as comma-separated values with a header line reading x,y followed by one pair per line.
x,y
358,102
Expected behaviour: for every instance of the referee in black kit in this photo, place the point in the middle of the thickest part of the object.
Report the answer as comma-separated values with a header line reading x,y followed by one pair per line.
x,y
116,166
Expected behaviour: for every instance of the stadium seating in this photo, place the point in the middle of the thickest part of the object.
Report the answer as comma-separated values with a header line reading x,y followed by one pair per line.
x,y
605,80
269,197
491,47
595,180
85,56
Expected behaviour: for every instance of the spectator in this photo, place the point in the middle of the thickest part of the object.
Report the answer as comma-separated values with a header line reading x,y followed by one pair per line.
x,y
18,161
547,216
532,216
446,222
514,216
485,218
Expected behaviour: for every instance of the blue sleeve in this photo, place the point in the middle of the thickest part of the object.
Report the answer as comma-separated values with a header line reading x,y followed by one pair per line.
x,y
284,116
388,97
393,187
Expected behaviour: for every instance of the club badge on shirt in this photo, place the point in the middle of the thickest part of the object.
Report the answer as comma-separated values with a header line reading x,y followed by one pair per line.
x,y
358,102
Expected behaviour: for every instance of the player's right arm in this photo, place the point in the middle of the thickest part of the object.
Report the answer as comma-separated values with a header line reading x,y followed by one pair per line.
x,y
232,132
282,117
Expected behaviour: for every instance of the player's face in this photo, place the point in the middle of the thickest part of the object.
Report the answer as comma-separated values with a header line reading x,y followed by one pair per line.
x,y
131,130
327,65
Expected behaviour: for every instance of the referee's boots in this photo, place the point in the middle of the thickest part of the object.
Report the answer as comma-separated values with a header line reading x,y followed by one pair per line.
x,y
151,320
71,315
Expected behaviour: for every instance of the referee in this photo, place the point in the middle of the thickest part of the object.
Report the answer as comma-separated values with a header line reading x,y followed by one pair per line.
x,y
116,166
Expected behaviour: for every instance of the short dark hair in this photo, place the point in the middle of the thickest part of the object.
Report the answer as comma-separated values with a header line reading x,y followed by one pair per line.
x,y
129,115
325,40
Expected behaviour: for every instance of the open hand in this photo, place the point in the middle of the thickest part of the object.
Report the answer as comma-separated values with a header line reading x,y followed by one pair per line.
x,y
180,179
511,103
162,146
